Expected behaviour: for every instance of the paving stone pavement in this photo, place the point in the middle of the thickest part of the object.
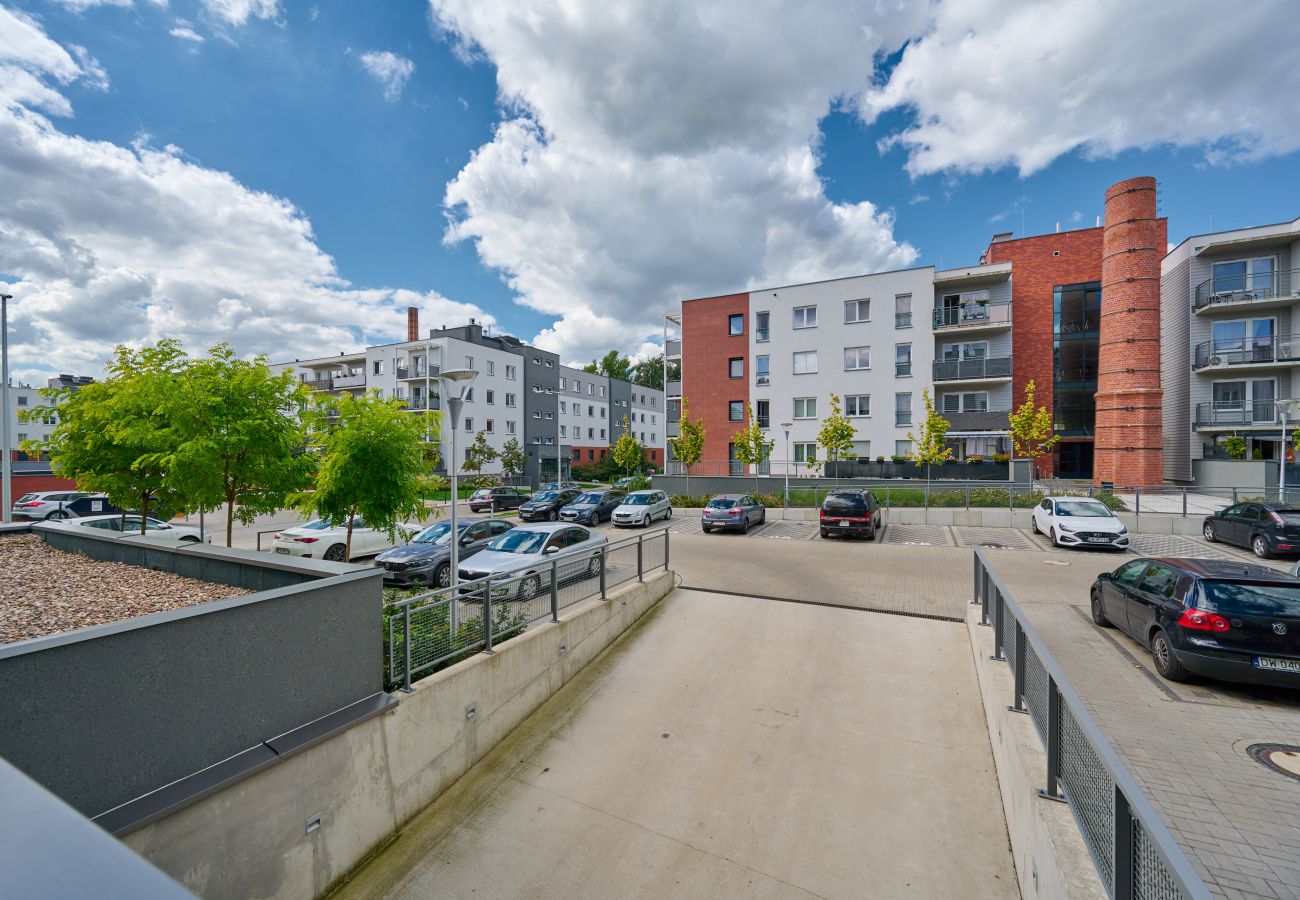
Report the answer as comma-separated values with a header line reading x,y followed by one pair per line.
x,y
789,531
993,538
919,535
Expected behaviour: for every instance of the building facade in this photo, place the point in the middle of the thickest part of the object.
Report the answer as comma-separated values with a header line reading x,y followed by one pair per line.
x,y
24,397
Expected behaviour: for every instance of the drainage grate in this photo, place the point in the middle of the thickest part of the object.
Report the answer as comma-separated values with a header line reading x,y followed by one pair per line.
x,y
1281,758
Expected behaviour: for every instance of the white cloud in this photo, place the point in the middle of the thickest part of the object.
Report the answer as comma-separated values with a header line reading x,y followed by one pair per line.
x,y
186,33
918,198
83,5
1011,82
115,244
237,12
391,71
656,150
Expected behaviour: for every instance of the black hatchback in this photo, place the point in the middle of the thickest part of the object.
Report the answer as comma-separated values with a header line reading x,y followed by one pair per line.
x,y
1227,620
851,512
1267,529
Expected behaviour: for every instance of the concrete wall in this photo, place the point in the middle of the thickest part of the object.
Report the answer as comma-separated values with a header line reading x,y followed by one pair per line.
x,y
1246,474
365,783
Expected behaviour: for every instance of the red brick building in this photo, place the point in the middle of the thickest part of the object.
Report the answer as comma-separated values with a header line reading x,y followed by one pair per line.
x,y
709,329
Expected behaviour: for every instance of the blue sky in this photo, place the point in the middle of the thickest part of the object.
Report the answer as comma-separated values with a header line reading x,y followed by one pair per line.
x,y
595,172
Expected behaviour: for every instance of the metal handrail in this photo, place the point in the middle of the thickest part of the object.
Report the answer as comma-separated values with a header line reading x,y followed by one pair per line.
x,y
976,367
1266,350
973,314
1232,289
1237,413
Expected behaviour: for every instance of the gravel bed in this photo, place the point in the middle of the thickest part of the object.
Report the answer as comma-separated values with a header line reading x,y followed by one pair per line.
x,y
46,591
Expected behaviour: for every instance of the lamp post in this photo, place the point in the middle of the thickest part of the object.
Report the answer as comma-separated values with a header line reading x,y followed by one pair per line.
x,y
785,426
452,384
6,467
1286,408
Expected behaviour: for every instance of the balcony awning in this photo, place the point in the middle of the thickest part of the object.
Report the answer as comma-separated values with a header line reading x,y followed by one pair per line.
x,y
1253,242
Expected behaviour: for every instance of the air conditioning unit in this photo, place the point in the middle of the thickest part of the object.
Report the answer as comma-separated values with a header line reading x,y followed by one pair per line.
x,y
1216,360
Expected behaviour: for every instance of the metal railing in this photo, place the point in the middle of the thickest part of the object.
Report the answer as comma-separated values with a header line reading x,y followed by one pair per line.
x,y
1236,413
351,380
431,630
1134,852
408,372
977,367
1247,351
420,403
973,315
1244,288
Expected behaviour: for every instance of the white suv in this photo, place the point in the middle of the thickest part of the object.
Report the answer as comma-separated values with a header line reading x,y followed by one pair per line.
x,y
642,508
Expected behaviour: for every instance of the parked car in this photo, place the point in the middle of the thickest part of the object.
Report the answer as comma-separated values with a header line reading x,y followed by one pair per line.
x,y
851,512
528,551
562,486
546,505
1078,522
738,511
642,508
497,498
1267,529
593,507
154,528
44,505
1228,620
426,561
99,505
323,539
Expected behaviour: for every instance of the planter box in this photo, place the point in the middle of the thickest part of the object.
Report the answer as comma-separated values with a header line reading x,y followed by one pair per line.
x,y
982,471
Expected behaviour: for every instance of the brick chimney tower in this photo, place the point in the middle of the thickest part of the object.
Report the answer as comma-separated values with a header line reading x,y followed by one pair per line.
x,y
412,323
1129,441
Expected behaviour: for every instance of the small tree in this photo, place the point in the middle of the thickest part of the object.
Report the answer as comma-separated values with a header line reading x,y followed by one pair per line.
x,y
1235,446
628,452
513,458
479,454
752,444
931,446
688,446
1032,431
836,435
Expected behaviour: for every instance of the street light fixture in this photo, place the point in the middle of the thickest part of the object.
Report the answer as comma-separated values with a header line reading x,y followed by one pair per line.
x,y
1286,408
6,467
785,426
452,384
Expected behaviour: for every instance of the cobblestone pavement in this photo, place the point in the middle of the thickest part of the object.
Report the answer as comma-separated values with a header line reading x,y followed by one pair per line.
x,y
789,531
919,535
1237,821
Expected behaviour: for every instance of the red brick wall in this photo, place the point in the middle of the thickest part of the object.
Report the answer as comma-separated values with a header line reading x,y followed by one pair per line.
x,y
27,484
706,347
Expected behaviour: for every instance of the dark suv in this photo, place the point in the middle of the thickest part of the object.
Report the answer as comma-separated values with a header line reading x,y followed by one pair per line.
x,y
1229,620
545,506
1267,529
497,498
851,512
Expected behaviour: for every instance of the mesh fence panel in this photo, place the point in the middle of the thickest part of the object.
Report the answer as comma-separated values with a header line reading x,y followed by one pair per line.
x,y
620,566
653,550
579,580
1009,636
1091,793
1151,877
438,632
1036,687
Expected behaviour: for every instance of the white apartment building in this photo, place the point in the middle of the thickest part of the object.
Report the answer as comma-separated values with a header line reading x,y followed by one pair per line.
x,y
24,397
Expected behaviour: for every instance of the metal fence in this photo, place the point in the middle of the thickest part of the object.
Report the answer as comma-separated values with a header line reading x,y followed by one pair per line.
x,y
431,630
1135,854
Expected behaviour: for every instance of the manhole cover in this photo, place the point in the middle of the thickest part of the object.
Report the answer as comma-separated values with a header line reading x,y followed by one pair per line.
x,y
1281,758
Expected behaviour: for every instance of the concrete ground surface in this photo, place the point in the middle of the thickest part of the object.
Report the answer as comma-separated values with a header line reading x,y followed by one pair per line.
x,y
731,746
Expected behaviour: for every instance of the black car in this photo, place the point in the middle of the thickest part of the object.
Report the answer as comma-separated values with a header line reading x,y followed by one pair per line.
x,y
545,506
851,512
1227,620
593,507
1265,528
426,561
497,498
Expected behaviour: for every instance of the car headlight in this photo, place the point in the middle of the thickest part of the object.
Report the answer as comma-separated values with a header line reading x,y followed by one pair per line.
x,y
1123,529
1065,528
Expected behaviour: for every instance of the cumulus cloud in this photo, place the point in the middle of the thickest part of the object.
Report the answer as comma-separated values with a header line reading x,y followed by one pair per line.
x,y
114,244
390,70
237,12
657,150
1009,82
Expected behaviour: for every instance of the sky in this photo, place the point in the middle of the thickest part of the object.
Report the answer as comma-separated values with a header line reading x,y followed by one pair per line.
x,y
290,176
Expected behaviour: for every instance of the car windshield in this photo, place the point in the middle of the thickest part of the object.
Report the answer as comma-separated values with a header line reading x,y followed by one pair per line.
x,y
545,496
719,503
1252,598
439,534
584,499
519,540
637,499
1082,508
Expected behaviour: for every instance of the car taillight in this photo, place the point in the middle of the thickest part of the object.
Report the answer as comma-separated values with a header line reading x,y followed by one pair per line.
x,y
30,503
306,540
821,513
733,512
1200,620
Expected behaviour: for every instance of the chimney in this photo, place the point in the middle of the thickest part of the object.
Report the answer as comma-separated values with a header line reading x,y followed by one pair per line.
x,y
412,323
475,330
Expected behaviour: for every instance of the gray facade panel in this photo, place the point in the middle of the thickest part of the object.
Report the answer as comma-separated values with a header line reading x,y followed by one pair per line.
x,y
541,385
1175,371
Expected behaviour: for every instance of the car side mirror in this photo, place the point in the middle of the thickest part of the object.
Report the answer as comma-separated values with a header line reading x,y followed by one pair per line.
x,y
1105,576
467,540
551,549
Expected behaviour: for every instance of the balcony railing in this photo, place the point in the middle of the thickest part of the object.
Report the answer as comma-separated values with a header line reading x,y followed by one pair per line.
x,y
357,379
402,372
673,349
1282,350
972,369
418,403
406,372
1233,289
979,420
973,315
903,320
1236,413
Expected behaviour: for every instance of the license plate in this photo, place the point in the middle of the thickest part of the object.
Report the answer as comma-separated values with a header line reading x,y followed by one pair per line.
x,y
844,523
282,550
1098,540
1277,665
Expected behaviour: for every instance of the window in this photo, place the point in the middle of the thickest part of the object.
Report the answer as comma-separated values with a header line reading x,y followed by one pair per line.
x,y
652,418
550,364
22,436
577,386
550,440
736,411
469,395
564,407
591,412
492,367
862,449
510,427
903,409
537,440
805,452
537,389
537,414
563,384
736,367
564,431
591,390
857,311
974,401
1253,275
736,324
762,373
652,437
591,454
491,396
857,358
1160,580
805,317
591,434
969,350
537,360
510,399
22,401
602,434
489,426
762,412
902,310
805,363
805,407
469,424
469,362
857,405
761,332
902,448
510,373
602,390
902,360
549,415
1130,573
652,402
379,367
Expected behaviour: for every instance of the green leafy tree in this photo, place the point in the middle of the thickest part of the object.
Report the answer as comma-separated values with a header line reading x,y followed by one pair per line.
x,y
1235,445
688,446
628,452
513,458
478,454
931,447
1033,433
650,372
372,464
835,437
752,443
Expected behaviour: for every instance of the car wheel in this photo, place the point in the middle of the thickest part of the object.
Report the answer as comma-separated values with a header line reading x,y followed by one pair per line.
x,y
825,533
58,515
337,553
554,516
1099,611
593,520
1051,534
744,527
645,521
762,517
871,532
1260,546
668,515
1208,531
529,587
593,567
442,575
1162,655
189,539
706,529
1033,524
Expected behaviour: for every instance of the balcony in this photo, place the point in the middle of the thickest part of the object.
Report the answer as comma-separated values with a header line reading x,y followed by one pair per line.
x,y
995,420
1235,293
416,373
972,370
354,380
1258,353
418,404
672,389
1228,414
319,384
973,317
673,349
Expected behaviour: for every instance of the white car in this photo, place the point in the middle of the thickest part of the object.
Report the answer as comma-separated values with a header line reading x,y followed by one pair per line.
x,y
528,552
322,539
642,508
153,528
1079,522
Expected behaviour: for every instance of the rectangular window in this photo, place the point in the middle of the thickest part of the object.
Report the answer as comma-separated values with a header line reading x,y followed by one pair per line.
x,y
550,440
902,448
537,414
510,399
591,390
602,390
591,434
736,367
550,364
591,412
1244,275
970,350
902,360
469,424
805,407
862,449
857,358
804,452
805,317
564,407
510,373
469,362
602,434
537,440
805,363
489,426
22,401
735,324
857,405
563,384
762,373
549,415
762,412
537,360
469,395
564,431
736,411
761,332
491,397
510,427
902,310
591,454
492,367
903,409
379,367
857,311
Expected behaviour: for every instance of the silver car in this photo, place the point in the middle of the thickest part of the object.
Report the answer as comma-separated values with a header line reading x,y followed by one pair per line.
x,y
738,511
528,553
642,508
45,505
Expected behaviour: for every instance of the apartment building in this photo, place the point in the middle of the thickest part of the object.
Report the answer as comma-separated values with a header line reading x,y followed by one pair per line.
x,y
23,397
1230,322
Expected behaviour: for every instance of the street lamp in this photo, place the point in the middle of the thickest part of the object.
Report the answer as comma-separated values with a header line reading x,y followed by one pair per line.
x,y
785,426
1286,408
6,468
452,384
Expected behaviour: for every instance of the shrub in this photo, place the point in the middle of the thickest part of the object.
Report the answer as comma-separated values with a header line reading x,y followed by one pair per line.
x,y
1001,458
973,460
898,459
770,500
682,501
485,481
880,459
639,483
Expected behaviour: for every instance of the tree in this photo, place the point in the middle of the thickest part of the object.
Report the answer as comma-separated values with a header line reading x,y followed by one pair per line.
x,y
1032,430
751,443
688,446
836,435
628,452
931,447
1235,446
513,458
372,465
479,454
